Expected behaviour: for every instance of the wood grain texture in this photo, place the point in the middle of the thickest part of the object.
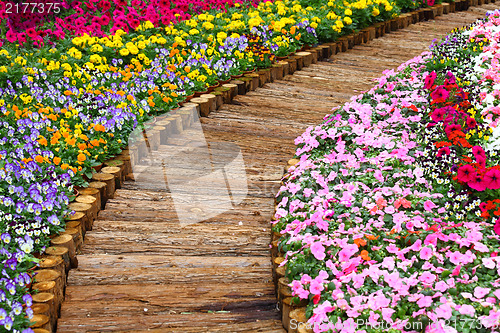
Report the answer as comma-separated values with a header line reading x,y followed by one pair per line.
x,y
141,270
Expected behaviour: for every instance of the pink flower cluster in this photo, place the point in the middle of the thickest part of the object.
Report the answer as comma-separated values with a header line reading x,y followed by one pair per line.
x,y
95,17
368,238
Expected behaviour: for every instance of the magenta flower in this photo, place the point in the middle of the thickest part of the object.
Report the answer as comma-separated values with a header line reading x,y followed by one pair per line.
x,y
466,173
492,179
456,257
440,94
467,309
496,228
438,114
444,311
429,80
443,150
316,287
478,151
425,302
477,183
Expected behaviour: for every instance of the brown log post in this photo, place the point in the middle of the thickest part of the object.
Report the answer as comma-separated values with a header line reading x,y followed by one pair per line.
x,y
62,252
248,82
41,321
92,201
46,275
84,208
278,71
233,90
446,8
219,98
262,78
49,300
326,51
292,65
78,218
117,173
306,58
241,90
298,318
314,54
77,236
67,242
203,104
109,192
226,94
53,262
286,67
212,101
94,192
41,308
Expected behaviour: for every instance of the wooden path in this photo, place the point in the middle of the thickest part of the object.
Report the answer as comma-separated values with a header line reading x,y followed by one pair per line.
x,y
143,270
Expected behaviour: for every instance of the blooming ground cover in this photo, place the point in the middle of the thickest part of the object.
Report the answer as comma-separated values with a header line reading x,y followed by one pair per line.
x,y
77,77
391,219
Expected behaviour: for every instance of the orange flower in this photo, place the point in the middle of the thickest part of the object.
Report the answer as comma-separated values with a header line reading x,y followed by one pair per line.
x,y
81,157
64,166
57,160
94,143
39,159
365,256
82,146
360,242
42,141
371,237
99,128
71,141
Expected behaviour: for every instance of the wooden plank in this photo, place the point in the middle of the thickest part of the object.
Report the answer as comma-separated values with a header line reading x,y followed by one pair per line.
x,y
102,269
187,322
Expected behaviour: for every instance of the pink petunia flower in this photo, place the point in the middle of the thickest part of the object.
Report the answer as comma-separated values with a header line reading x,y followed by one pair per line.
x,y
427,277
480,292
425,253
318,250
424,302
429,205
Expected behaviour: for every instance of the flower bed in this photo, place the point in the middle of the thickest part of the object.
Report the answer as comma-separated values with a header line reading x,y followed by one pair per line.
x,y
390,218
73,88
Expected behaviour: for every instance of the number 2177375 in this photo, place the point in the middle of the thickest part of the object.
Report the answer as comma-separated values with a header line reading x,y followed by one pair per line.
x,y
32,7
